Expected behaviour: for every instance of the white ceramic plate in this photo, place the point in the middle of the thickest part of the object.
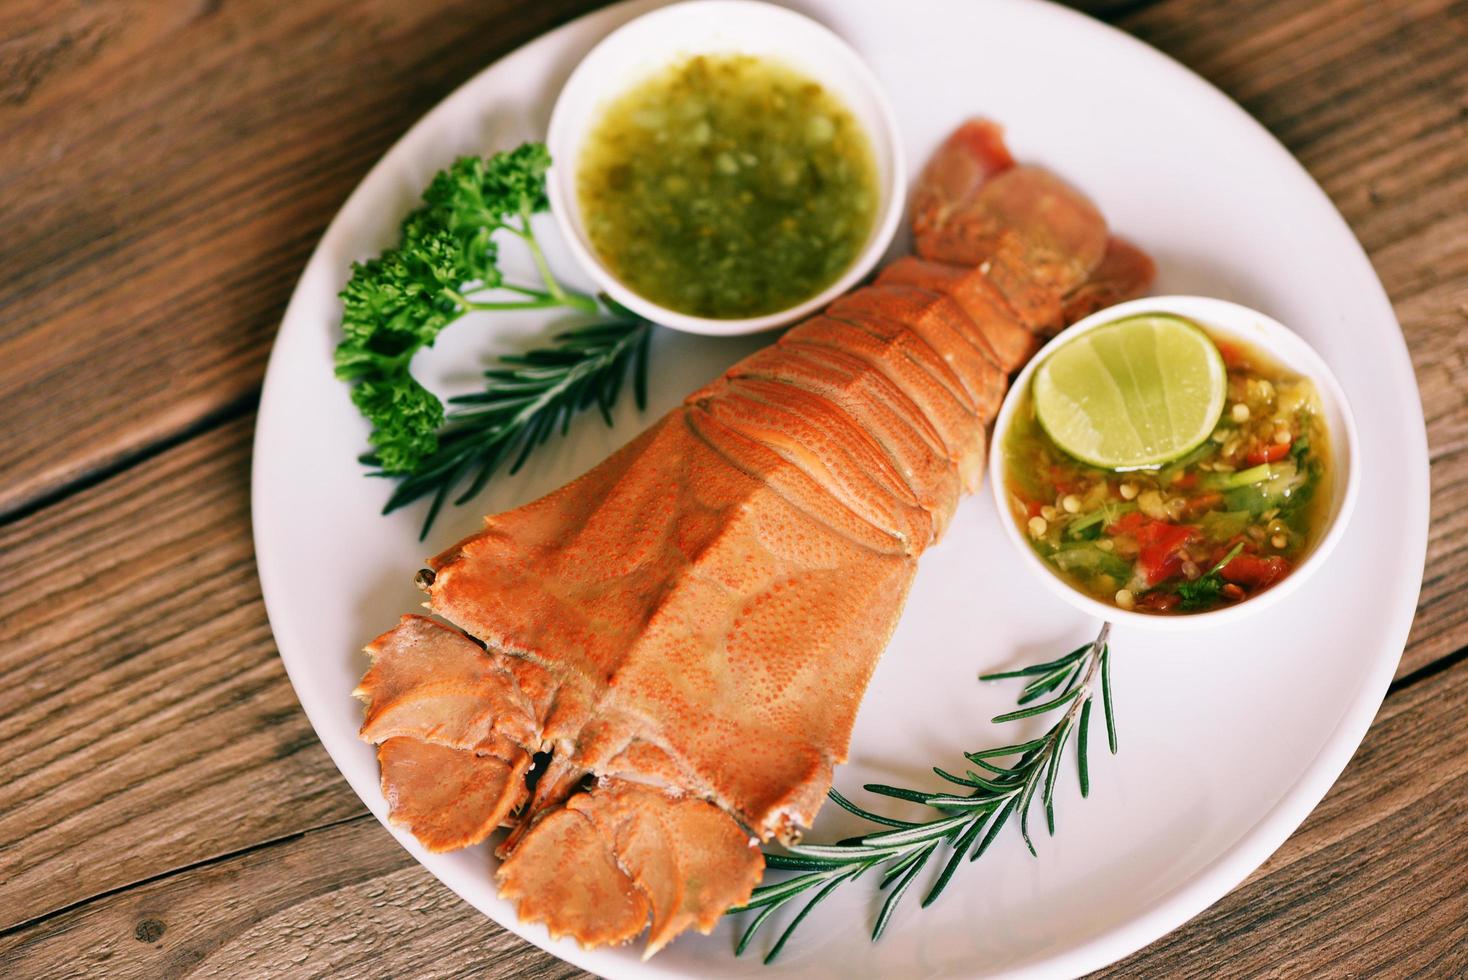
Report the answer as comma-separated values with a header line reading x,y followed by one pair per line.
x,y
1227,739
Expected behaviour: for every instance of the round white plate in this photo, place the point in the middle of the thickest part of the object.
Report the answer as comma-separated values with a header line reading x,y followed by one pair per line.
x,y
1227,739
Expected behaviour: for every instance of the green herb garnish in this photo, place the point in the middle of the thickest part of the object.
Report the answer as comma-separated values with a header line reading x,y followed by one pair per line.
x,y
968,821
1206,588
447,265
526,399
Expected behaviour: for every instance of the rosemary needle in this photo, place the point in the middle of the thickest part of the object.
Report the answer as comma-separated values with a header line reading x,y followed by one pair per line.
x,y
526,399
444,267
965,822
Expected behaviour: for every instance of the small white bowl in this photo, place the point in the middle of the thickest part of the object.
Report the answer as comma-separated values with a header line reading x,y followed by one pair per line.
x,y
658,39
1227,320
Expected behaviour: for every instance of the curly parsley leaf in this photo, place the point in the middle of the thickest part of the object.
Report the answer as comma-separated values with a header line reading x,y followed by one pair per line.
x,y
396,304
445,265
405,420
476,193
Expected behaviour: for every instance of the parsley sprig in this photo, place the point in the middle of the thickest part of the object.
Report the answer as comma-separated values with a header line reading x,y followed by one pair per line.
x,y
967,821
446,265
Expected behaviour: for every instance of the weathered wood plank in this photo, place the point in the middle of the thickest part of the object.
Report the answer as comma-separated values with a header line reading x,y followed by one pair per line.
x,y
1373,99
165,169
1376,880
148,724
202,148
146,718
344,901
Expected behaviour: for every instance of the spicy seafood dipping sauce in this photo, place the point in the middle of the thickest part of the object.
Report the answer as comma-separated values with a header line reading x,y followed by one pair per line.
x,y
727,186
1212,528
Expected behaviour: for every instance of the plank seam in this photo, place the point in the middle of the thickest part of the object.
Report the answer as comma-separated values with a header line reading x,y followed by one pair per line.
x,y
1428,670
1113,13
1402,683
40,919
224,414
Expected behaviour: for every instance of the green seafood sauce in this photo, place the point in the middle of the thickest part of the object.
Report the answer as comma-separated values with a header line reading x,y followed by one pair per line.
x,y
727,186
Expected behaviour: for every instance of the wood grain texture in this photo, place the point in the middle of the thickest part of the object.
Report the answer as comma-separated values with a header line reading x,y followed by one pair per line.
x,y
166,166
1375,883
164,170
345,901
1372,97
147,720
150,727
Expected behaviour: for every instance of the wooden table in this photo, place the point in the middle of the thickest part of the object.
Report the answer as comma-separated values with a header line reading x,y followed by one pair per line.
x,y
165,168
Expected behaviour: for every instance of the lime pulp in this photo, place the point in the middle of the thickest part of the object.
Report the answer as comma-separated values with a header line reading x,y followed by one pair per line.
x,y
1135,393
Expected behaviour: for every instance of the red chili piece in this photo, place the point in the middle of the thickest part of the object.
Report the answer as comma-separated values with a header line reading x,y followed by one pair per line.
x,y
1271,452
1129,523
1158,542
1254,572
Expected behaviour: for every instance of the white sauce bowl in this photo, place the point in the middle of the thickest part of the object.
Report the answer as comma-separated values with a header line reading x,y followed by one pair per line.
x,y
1227,321
656,41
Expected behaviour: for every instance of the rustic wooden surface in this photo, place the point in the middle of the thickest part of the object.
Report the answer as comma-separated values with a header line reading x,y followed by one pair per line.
x,y
165,168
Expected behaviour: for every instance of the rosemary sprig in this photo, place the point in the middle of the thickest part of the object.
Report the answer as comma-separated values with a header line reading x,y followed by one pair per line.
x,y
968,820
526,399
444,267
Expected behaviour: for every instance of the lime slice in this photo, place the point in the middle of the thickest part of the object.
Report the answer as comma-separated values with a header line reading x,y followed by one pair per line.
x,y
1131,394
